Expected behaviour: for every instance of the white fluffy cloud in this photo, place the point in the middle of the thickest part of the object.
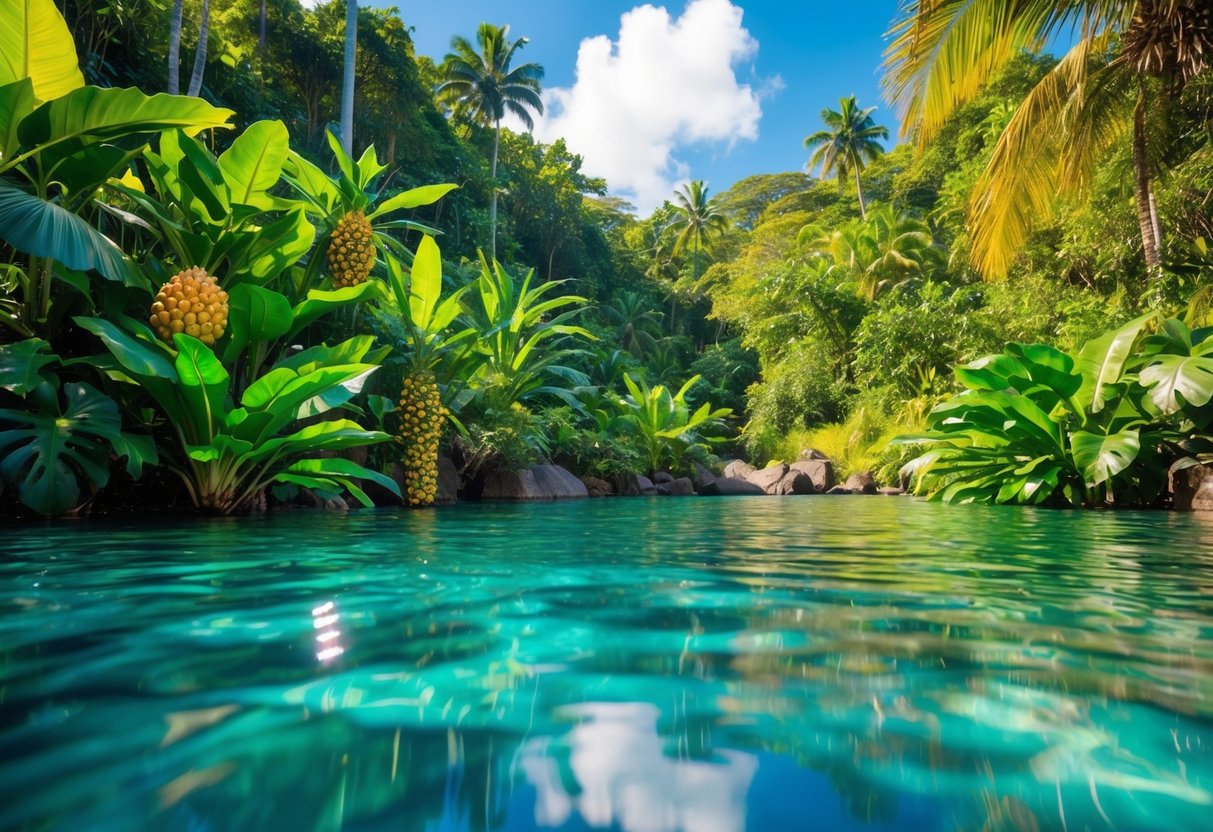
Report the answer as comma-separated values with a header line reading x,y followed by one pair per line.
x,y
664,84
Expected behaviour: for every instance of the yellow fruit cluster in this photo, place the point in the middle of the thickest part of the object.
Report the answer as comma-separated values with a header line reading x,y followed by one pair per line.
x,y
351,250
421,419
191,302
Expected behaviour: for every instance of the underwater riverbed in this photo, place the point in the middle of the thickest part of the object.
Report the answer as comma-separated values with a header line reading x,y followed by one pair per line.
x,y
706,665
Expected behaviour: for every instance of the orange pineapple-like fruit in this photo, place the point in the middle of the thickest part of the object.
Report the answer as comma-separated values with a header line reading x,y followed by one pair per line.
x,y
191,302
351,252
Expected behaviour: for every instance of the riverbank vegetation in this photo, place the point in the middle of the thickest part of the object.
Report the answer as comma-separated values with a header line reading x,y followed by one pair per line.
x,y
208,301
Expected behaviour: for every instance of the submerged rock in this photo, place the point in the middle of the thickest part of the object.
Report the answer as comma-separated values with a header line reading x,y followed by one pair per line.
x,y
682,487
538,482
597,487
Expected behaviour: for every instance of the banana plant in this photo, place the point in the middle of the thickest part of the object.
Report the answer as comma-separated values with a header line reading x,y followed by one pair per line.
x,y
59,141
358,187
62,435
665,423
229,450
523,334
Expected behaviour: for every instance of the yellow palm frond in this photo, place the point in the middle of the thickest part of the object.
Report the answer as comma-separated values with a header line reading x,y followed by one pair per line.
x,y
1050,148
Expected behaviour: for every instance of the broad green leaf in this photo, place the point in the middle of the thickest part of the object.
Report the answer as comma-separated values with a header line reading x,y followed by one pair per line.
x,y
137,357
21,365
1100,458
337,466
16,102
320,302
41,228
1049,367
1102,361
203,385
426,283
279,245
255,314
415,198
334,396
312,183
47,453
1176,380
253,164
94,114
35,43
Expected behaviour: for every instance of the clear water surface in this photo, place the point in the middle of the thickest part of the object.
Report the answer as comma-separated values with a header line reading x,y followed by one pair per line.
x,y
641,665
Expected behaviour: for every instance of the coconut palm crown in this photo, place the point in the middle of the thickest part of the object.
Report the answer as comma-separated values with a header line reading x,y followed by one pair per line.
x,y
849,142
480,86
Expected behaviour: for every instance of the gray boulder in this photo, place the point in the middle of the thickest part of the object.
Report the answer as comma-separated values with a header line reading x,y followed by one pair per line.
x,y
819,471
702,477
682,487
738,470
729,486
645,486
768,479
838,489
1192,488
662,476
810,454
861,483
538,482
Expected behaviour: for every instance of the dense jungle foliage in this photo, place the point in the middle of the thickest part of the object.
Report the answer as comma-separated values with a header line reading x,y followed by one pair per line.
x,y
518,312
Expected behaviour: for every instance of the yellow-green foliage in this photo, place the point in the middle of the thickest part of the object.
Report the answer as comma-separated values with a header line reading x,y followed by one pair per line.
x,y
861,443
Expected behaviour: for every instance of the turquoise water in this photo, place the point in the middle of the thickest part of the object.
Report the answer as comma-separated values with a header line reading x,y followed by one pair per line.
x,y
644,665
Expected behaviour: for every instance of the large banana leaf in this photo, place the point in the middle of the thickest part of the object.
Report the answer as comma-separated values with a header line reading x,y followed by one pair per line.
x,y
41,228
415,198
36,44
426,284
1102,362
16,102
203,385
94,114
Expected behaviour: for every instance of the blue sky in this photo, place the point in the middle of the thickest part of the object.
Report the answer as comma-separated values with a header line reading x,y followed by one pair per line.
x,y
766,78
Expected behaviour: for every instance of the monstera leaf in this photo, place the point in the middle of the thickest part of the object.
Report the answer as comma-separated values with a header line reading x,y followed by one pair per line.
x,y
1176,380
1100,458
47,453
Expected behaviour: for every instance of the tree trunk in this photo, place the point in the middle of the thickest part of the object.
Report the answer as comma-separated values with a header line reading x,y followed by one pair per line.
x,y
204,30
493,200
863,209
347,88
174,48
1141,188
261,30
391,146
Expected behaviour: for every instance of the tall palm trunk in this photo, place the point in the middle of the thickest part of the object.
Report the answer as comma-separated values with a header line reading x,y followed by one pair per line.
x,y
204,30
261,31
347,87
863,209
174,48
1142,194
493,200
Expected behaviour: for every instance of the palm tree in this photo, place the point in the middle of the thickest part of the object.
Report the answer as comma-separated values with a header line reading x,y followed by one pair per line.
x,y
638,325
204,30
479,85
347,86
1097,97
261,28
174,48
698,218
847,144
879,252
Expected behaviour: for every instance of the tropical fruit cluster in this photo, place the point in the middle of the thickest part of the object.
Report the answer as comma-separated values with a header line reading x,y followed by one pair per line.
x,y
351,253
191,302
421,419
